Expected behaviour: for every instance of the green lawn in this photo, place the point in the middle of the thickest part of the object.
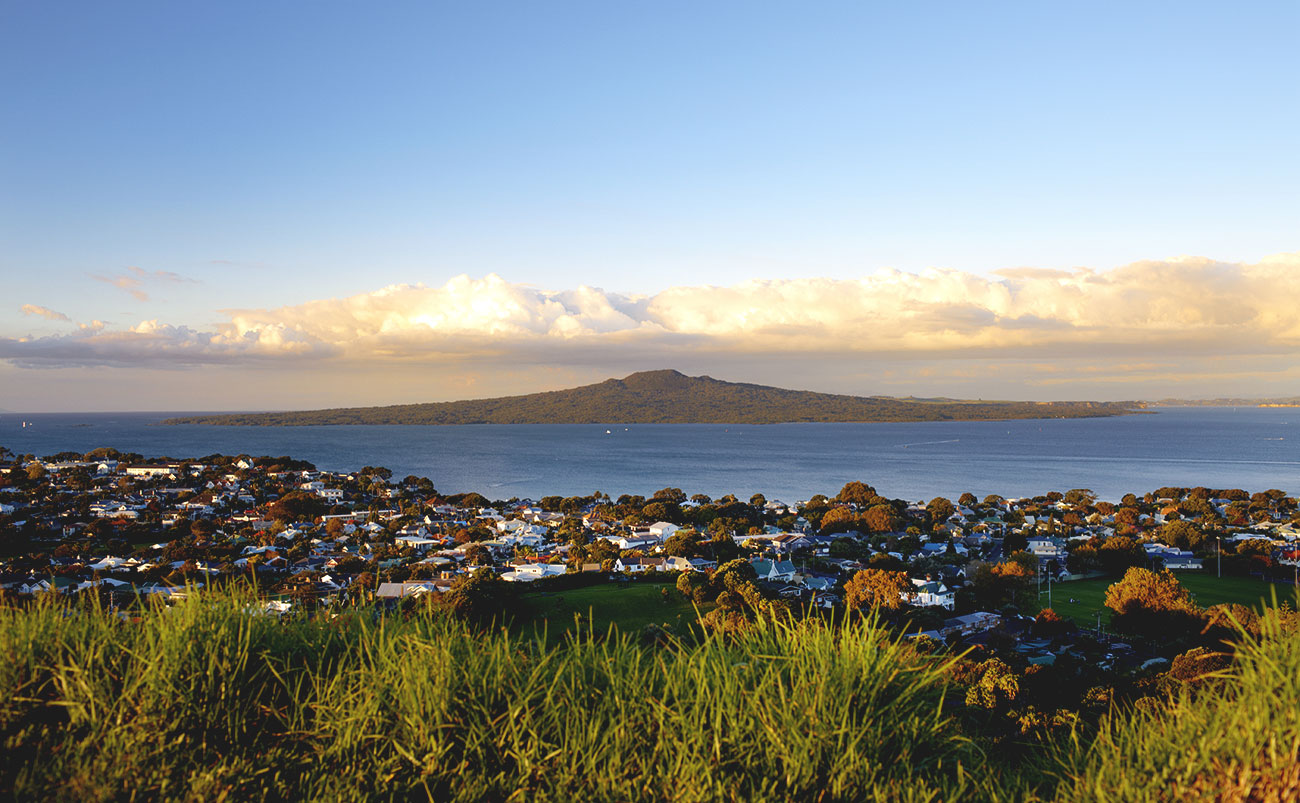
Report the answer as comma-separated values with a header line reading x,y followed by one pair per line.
x,y
1089,595
627,606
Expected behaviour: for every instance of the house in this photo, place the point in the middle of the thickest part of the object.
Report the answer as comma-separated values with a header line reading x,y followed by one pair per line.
x,y
420,543
930,593
529,572
782,571
411,589
1046,549
677,563
152,471
626,542
971,623
791,542
638,565
663,530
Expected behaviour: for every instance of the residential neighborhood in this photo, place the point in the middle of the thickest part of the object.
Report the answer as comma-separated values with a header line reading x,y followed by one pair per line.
x,y
126,526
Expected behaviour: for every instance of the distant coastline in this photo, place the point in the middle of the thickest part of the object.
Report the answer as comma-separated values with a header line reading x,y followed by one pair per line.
x,y
669,397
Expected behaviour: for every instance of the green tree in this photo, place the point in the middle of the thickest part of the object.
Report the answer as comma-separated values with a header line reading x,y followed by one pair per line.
x,y
1182,534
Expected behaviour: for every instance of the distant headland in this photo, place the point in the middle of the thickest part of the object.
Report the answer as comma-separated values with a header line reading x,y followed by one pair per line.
x,y
670,397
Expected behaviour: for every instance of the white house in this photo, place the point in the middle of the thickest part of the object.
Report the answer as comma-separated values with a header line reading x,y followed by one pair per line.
x,y
417,542
663,530
533,571
930,593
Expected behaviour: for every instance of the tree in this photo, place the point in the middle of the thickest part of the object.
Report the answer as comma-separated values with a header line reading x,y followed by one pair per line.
x,y
758,500
997,687
478,555
694,586
672,495
876,589
1080,496
967,500
1150,604
294,506
481,597
939,509
1182,534
998,585
683,543
1199,666
1049,623
881,518
837,520
855,493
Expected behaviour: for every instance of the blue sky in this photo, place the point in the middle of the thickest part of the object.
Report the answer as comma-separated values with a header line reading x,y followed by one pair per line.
x,y
171,161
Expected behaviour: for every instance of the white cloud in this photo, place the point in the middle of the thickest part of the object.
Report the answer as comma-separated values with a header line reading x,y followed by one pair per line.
x,y
1184,307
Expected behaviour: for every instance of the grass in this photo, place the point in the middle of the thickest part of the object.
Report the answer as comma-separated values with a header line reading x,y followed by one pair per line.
x,y
1206,588
628,607
1237,741
206,701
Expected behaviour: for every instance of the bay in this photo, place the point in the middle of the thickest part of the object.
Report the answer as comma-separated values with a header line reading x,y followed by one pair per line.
x,y
1218,447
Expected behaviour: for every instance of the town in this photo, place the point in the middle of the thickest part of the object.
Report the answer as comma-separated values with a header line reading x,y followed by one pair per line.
x,y
967,572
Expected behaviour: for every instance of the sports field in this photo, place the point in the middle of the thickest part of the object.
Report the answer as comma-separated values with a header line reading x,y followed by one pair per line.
x,y
627,606
1082,600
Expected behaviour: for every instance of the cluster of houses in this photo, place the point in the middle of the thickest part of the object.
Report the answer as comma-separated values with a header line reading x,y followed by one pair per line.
x,y
163,527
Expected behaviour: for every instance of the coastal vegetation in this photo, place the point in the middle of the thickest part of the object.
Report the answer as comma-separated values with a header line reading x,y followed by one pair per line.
x,y
669,397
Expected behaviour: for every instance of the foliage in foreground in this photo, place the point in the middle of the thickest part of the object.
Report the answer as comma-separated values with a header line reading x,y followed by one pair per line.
x,y
1232,737
207,699
211,700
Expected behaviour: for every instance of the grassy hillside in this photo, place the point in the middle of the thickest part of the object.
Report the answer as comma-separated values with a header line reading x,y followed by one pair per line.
x,y
668,397
207,700
210,700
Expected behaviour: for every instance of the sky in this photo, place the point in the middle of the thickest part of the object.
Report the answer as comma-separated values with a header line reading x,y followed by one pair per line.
x,y
275,205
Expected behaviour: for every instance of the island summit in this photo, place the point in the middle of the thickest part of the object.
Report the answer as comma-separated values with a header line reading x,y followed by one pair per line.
x,y
670,397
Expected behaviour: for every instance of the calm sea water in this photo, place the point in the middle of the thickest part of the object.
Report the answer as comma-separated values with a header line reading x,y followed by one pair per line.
x,y
1251,448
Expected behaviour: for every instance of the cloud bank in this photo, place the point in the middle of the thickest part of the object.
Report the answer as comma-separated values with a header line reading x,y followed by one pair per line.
x,y
1146,314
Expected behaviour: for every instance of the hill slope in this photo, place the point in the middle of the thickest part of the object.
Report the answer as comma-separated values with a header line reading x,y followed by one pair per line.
x,y
668,397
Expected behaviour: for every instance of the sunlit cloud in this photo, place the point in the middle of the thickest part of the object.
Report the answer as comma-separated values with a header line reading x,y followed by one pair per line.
x,y
44,312
1138,321
135,279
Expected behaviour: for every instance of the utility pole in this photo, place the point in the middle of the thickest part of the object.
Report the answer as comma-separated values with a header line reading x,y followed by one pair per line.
x,y
1218,548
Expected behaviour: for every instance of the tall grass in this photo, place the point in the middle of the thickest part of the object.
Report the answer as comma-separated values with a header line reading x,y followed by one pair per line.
x,y
1234,741
210,701
207,701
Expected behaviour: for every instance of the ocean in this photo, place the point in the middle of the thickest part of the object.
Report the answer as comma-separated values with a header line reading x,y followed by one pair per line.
x,y
1218,447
